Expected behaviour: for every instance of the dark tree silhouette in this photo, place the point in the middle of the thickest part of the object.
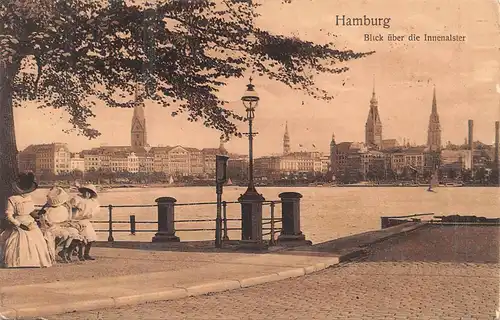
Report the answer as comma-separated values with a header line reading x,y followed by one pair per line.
x,y
66,54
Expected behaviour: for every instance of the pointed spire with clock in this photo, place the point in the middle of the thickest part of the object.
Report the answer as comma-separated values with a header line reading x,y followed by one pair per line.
x,y
138,134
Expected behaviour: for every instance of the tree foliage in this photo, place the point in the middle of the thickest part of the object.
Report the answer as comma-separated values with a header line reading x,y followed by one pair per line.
x,y
68,54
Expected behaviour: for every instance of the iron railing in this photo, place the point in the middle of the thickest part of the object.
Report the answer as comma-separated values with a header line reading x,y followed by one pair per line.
x,y
440,220
387,222
270,224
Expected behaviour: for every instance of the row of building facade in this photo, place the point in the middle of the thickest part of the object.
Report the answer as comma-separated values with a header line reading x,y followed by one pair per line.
x,y
57,159
346,158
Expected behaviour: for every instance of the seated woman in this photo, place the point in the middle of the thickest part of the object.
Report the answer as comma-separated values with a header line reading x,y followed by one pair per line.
x,y
22,244
85,206
57,225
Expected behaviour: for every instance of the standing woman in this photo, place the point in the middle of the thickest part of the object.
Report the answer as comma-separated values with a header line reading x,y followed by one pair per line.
x,y
22,243
85,206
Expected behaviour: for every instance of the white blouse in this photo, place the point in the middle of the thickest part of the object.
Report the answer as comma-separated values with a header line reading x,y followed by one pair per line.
x,y
85,208
19,209
58,214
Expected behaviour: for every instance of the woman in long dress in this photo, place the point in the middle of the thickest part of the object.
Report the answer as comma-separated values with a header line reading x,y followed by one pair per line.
x,y
85,206
22,243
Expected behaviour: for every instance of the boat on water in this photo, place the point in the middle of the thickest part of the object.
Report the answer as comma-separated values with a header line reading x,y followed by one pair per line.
x,y
454,184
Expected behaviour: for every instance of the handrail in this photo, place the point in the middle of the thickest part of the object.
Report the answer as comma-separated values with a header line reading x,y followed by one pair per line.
x,y
410,216
268,223
463,223
265,202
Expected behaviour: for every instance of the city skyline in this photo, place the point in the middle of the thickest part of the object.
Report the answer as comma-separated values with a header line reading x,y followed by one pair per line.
x,y
465,75
138,121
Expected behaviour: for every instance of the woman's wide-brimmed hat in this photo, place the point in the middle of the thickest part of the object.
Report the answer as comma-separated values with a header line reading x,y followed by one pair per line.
x,y
88,187
25,183
57,197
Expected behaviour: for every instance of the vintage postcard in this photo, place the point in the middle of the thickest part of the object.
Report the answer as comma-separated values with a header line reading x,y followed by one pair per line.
x,y
249,159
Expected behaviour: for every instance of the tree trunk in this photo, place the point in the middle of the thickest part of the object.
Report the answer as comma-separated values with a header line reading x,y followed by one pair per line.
x,y
8,150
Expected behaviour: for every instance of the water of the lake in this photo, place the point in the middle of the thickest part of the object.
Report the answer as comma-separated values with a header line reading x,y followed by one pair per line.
x,y
326,212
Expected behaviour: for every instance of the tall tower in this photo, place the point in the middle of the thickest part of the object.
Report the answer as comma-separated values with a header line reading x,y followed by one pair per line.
x,y
470,140
138,135
497,141
373,127
434,129
471,144
333,149
286,140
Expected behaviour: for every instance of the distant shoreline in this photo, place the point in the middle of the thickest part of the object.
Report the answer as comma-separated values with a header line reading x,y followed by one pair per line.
x,y
153,186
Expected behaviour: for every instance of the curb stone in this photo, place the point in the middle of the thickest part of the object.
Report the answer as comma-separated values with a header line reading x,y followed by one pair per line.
x,y
216,286
351,254
292,273
399,233
363,249
250,282
76,306
176,292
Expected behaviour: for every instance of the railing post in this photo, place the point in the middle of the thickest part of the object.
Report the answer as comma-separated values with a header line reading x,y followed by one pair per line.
x,y
166,218
110,223
224,215
132,225
218,219
272,224
290,218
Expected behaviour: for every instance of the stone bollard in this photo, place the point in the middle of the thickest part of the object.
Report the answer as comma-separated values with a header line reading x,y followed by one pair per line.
x,y
251,220
166,226
290,215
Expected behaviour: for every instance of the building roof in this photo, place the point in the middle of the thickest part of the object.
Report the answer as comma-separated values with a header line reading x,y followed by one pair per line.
x,y
34,148
415,150
344,146
161,149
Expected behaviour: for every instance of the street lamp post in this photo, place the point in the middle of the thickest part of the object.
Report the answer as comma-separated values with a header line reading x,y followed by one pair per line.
x,y
251,200
250,100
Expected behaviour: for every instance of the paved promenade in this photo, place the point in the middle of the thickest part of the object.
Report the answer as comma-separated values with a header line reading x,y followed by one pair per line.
x,y
424,273
432,273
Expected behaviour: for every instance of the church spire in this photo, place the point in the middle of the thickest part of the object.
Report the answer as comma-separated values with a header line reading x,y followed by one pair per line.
x,y
373,126
434,103
333,155
286,140
373,90
138,134
434,128
333,142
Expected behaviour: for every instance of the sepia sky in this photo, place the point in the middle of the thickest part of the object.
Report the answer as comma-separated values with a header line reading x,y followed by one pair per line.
x,y
465,75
